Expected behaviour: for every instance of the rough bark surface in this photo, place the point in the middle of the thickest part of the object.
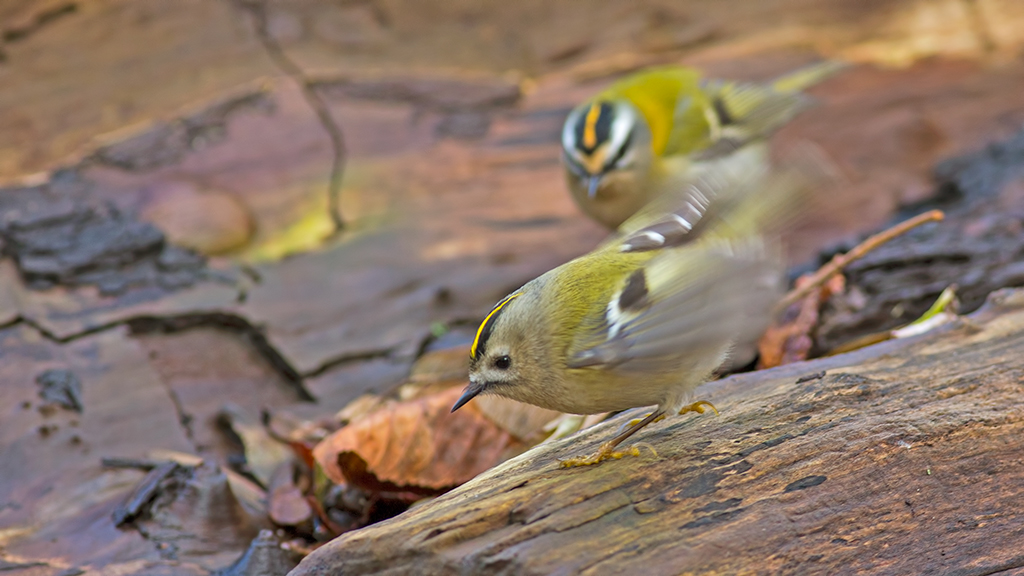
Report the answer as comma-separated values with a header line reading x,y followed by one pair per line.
x,y
902,458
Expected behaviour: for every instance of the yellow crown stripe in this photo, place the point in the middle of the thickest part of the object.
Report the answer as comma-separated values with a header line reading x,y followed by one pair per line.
x,y
590,125
480,330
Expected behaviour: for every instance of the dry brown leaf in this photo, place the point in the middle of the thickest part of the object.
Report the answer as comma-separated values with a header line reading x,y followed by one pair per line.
x,y
286,504
789,339
418,447
263,454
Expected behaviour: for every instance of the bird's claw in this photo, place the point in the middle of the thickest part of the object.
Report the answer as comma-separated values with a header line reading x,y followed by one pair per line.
x,y
608,451
605,453
698,407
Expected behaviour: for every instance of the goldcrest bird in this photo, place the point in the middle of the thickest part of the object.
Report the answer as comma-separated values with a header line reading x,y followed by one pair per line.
x,y
655,130
644,319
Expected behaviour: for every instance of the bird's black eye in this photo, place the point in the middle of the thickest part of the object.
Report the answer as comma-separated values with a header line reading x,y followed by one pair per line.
x,y
502,362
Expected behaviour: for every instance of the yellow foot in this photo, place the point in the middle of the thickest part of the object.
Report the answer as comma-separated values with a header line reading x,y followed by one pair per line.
x,y
698,407
605,453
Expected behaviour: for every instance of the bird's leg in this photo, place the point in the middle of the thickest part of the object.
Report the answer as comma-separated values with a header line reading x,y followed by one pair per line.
x,y
636,421
607,450
698,407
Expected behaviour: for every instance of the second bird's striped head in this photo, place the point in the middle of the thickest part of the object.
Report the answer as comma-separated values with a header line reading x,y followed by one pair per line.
x,y
600,137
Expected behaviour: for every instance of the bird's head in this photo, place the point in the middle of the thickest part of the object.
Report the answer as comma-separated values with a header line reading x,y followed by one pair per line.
x,y
510,355
602,140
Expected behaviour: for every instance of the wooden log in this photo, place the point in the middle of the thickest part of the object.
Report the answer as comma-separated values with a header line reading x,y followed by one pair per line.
x,y
903,458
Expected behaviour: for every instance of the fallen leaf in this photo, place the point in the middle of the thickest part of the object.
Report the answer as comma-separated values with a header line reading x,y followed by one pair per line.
x,y
418,447
300,436
263,454
287,505
789,339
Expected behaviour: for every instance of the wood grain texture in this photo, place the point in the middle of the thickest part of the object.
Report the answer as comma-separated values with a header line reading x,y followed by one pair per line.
x,y
904,458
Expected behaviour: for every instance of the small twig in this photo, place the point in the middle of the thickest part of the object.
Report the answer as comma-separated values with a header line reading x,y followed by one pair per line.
x,y
258,9
840,261
133,463
144,493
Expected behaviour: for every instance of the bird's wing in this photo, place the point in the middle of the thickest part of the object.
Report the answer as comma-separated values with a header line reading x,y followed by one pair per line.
x,y
694,300
707,285
679,214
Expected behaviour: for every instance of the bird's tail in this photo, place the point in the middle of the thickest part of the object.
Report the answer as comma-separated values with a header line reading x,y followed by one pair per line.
x,y
746,111
808,76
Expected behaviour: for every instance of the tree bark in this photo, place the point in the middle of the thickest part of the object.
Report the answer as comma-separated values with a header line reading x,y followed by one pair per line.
x,y
902,458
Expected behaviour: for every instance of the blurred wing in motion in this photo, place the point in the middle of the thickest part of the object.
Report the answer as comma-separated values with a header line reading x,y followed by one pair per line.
x,y
712,283
690,301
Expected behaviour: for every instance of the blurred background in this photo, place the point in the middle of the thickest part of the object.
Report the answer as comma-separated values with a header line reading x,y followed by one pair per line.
x,y
165,174
404,79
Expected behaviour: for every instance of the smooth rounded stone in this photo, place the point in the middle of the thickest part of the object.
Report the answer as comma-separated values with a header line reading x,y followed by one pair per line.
x,y
207,221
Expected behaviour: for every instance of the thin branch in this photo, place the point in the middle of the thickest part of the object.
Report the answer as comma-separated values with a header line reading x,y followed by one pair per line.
x,y
840,261
258,9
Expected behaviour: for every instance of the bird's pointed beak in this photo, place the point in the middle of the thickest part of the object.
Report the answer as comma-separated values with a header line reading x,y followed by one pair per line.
x,y
593,183
471,392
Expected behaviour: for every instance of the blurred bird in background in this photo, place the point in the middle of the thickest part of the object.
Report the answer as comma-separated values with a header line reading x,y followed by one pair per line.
x,y
658,129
